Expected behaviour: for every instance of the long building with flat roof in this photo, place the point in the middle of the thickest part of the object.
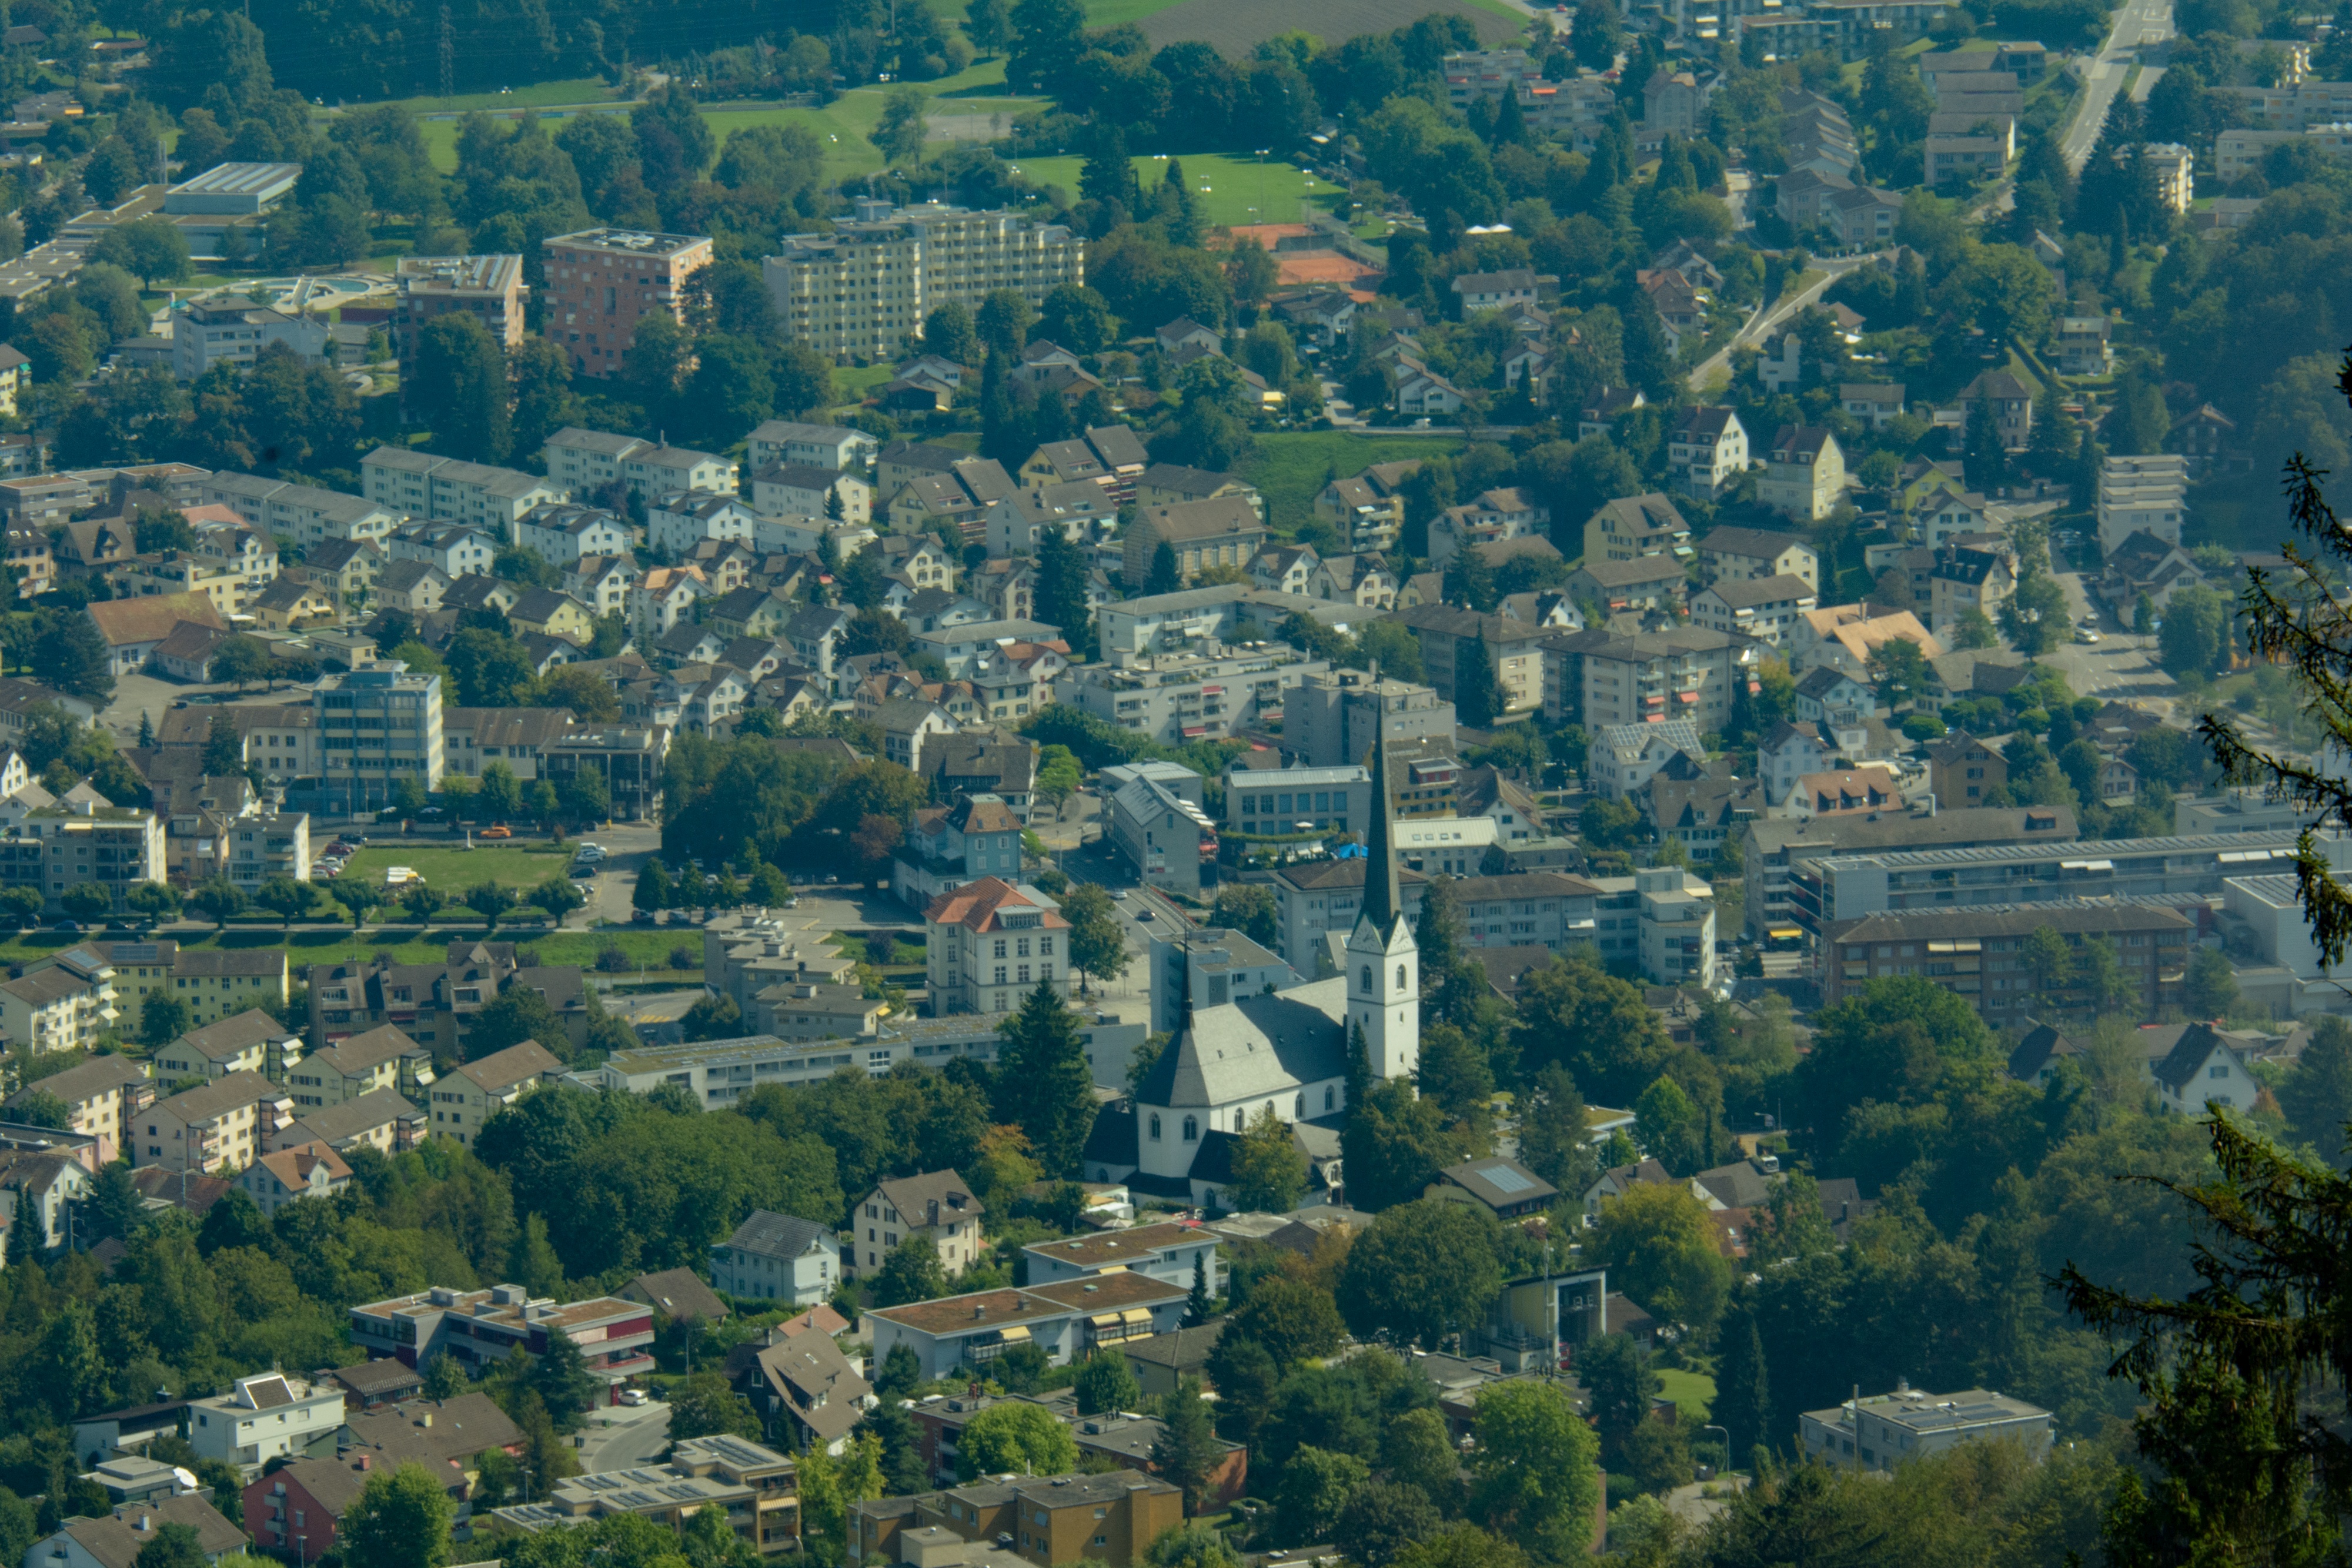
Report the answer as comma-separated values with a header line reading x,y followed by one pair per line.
x,y
1978,953
1822,893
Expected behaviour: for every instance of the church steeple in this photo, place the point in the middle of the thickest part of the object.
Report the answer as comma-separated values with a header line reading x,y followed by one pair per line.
x,y
1383,903
1384,963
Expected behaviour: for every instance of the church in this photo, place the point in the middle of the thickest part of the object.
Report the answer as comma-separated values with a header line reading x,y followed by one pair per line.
x,y
1285,1051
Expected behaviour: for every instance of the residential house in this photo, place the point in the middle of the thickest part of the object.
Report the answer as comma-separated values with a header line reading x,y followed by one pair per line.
x,y
1740,555
937,1205
1804,473
287,1175
1706,449
776,1257
1766,609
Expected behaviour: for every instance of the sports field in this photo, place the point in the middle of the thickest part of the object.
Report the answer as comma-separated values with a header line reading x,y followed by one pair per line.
x,y
1231,189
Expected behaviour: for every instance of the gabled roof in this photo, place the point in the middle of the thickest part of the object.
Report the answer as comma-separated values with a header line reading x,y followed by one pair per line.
x,y
777,1234
126,621
1253,1047
1755,544
678,1293
2188,1055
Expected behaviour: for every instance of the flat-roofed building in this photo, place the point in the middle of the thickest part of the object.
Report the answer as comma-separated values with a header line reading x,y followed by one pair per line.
x,y
1978,954
482,1327
752,1487
1880,1432
601,282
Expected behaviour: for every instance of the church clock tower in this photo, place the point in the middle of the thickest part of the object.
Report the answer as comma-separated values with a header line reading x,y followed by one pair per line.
x,y
1383,962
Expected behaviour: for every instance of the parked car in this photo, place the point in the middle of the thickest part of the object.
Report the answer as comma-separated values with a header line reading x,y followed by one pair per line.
x,y
497,830
636,1397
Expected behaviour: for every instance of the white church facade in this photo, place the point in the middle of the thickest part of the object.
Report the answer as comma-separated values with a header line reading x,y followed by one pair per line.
x,y
1284,1052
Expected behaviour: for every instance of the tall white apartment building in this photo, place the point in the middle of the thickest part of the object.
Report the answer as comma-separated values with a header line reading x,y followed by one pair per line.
x,y
2142,496
375,725
865,287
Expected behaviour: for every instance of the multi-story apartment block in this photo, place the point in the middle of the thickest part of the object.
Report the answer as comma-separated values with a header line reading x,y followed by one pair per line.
x,y
471,1094
304,513
83,841
376,725
1766,609
1634,526
1706,449
1514,652
431,1003
1732,554
101,1096
1331,717
446,490
1581,104
601,282
488,288
1318,898
563,533
220,1126
228,331
2142,496
1663,916
64,1005
216,984
1176,697
834,446
1978,954
252,1042
1056,1521
1804,473
382,1058
482,1327
455,549
865,287
262,844
1687,673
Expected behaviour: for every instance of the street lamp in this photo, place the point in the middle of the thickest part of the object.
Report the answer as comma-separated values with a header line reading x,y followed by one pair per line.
x,y
1710,1427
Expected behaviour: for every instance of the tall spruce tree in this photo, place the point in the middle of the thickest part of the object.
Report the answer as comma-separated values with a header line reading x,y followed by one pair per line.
x,y
1042,1081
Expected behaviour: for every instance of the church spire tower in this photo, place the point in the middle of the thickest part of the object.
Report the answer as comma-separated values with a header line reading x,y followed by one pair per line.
x,y
1383,962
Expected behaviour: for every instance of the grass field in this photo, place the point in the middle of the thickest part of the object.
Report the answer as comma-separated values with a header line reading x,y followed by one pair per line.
x,y
1289,466
452,871
1232,190
1692,1392
840,126
1113,12
651,948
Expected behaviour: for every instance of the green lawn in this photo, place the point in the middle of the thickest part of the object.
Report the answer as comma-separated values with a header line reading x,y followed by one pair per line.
x,y
1289,466
840,126
541,95
452,871
1692,1392
414,947
1113,12
1232,190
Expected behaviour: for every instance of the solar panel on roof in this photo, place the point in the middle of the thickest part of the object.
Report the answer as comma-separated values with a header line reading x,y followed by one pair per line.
x,y
1503,1178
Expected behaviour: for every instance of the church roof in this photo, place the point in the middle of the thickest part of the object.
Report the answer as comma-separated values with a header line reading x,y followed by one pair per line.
x,y
1253,1046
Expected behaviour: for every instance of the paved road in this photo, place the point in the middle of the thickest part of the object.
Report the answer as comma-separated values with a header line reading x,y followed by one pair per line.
x,y
2119,666
623,1437
2141,23
1766,317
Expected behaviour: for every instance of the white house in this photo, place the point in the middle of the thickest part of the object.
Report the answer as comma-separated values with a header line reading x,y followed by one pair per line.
x,y
2200,1069
775,1257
